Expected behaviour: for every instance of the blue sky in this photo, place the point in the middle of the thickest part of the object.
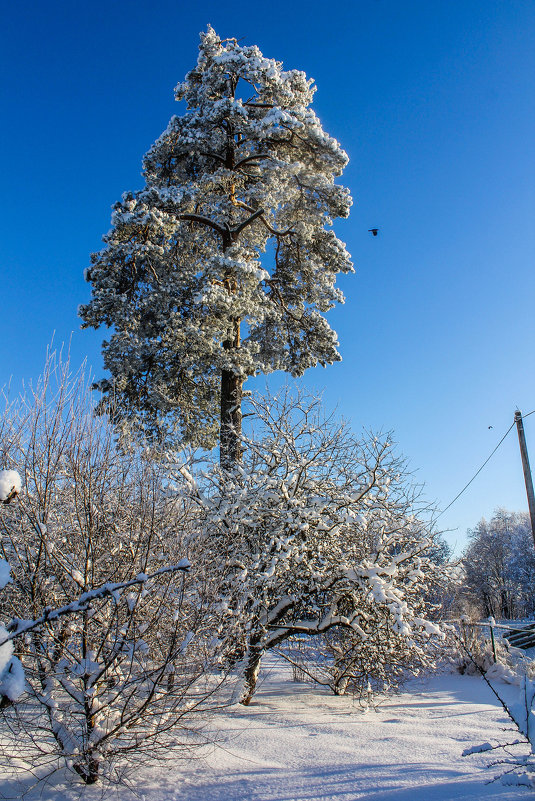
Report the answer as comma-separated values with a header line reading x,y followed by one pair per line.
x,y
435,104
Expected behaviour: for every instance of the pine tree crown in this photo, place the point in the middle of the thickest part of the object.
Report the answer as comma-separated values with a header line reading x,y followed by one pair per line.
x,y
226,260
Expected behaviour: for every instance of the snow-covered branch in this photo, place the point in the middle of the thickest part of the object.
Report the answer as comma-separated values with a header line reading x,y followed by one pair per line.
x,y
15,628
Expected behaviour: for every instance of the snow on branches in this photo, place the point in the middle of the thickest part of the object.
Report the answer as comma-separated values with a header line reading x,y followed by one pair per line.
x,y
316,533
223,266
112,643
11,671
316,530
10,485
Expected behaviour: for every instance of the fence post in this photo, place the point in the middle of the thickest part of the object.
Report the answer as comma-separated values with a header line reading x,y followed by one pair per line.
x,y
463,620
492,623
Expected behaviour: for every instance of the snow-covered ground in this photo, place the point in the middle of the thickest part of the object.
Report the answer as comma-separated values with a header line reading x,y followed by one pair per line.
x,y
300,743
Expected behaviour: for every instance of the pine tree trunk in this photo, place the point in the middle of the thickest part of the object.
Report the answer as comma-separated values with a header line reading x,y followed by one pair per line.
x,y
230,448
250,674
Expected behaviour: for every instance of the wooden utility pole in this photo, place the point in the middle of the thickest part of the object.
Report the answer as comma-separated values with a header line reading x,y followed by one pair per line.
x,y
527,470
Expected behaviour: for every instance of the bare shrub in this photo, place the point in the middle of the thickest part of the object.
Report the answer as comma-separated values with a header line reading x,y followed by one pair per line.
x,y
124,679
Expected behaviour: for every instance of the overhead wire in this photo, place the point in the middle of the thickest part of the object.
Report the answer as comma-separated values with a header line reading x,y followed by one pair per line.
x,y
480,469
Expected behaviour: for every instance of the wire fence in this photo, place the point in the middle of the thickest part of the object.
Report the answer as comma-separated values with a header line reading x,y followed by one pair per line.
x,y
519,634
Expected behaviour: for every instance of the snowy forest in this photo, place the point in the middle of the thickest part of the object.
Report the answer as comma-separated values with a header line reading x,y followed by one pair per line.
x,y
169,531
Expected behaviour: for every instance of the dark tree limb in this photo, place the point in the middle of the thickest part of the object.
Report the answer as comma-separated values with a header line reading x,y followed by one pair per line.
x,y
247,159
204,221
239,228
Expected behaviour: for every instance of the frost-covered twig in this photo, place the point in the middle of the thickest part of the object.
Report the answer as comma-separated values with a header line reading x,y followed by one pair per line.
x,y
16,628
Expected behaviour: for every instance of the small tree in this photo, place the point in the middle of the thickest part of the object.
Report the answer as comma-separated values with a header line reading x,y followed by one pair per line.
x,y
224,264
317,530
115,665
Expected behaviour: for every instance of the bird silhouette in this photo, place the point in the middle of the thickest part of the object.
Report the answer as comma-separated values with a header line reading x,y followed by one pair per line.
x,y
373,231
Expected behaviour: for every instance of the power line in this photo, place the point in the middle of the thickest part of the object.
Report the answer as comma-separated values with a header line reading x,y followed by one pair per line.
x,y
480,469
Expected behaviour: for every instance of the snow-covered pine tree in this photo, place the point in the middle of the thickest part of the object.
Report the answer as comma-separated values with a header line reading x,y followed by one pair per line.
x,y
223,265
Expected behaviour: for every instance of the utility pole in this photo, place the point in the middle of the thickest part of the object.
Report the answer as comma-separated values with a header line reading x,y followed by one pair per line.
x,y
526,468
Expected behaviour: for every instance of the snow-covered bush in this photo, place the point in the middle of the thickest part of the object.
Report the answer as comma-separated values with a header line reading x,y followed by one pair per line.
x,y
119,678
316,530
348,663
471,652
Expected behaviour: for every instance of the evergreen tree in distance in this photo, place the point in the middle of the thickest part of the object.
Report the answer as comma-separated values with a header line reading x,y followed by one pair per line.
x,y
224,264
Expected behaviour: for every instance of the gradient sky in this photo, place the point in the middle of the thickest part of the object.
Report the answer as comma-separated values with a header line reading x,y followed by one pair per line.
x,y
435,104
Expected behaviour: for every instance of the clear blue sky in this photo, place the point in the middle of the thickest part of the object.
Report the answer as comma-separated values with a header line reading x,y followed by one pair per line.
x,y
435,104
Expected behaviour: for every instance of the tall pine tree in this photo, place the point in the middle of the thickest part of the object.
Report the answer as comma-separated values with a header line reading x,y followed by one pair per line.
x,y
223,265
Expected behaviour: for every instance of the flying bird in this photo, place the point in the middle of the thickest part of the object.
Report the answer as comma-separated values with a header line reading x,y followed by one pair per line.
x,y
373,231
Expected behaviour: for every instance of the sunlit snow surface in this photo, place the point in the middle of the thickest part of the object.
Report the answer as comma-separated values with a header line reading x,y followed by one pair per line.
x,y
299,743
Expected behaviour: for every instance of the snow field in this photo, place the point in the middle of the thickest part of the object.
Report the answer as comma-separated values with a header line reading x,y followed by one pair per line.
x,y
296,742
